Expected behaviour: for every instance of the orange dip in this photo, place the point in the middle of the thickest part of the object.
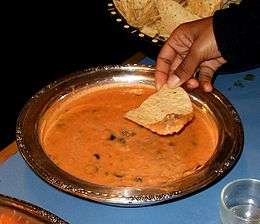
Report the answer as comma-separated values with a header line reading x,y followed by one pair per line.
x,y
8,216
86,135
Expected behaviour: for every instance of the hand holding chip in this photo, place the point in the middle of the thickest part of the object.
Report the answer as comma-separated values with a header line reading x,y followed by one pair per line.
x,y
191,49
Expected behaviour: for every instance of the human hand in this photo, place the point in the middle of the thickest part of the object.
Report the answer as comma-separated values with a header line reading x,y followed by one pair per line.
x,y
190,49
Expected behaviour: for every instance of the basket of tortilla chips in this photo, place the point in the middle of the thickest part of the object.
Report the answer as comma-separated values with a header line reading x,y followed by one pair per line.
x,y
156,19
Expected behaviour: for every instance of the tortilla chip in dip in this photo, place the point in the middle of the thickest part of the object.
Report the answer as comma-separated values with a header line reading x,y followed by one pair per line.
x,y
165,112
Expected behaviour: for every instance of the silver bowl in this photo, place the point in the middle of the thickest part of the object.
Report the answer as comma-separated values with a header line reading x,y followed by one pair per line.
x,y
227,152
29,210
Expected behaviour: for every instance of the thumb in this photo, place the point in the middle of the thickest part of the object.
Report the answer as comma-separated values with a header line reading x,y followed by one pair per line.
x,y
185,70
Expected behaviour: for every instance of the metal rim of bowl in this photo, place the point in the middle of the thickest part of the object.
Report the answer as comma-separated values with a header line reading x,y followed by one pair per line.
x,y
33,154
29,209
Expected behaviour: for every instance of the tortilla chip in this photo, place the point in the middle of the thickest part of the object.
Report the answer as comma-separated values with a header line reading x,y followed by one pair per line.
x,y
165,112
204,8
172,15
138,13
151,29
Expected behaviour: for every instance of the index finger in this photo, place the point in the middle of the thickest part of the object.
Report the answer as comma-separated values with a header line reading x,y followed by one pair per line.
x,y
163,63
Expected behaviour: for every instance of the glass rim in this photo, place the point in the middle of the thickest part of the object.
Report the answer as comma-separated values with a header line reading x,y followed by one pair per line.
x,y
223,204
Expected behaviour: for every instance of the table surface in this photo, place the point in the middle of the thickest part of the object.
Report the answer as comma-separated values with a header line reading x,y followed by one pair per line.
x,y
18,180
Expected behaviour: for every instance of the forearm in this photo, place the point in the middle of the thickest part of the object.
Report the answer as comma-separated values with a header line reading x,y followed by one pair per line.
x,y
237,32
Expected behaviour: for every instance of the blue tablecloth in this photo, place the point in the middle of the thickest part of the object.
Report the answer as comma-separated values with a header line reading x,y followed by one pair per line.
x,y
18,180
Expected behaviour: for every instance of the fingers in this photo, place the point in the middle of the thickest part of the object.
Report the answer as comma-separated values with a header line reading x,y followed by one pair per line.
x,y
205,77
163,64
192,84
185,70
207,70
172,54
161,74
176,62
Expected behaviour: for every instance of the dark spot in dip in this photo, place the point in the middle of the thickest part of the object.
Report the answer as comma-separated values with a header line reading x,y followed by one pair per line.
x,y
122,140
171,144
160,155
194,143
61,125
112,137
138,179
127,133
118,175
159,152
97,156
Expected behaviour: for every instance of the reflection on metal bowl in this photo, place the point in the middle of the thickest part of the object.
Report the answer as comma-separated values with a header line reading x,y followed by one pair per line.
x,y
17,211
226,121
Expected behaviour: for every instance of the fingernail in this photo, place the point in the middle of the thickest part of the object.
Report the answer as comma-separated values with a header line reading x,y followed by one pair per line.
x,y
189,86
207,87
158,86
173,81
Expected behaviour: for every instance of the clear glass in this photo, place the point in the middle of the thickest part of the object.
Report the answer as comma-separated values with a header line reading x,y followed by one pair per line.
x,y
240,202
